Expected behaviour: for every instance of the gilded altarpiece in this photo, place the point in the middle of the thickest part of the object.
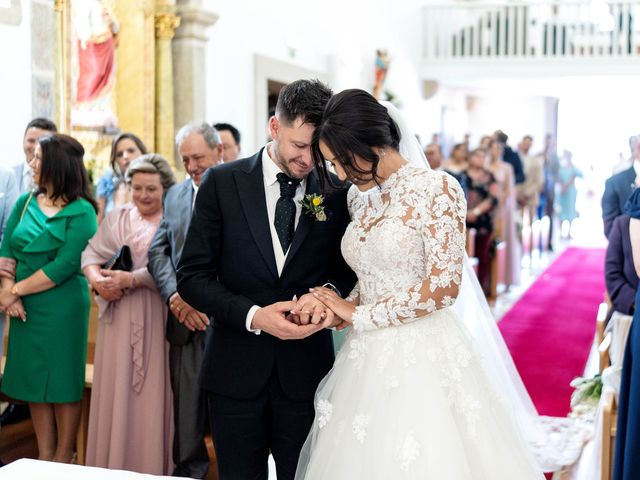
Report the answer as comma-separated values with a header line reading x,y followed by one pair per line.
x,y
108,78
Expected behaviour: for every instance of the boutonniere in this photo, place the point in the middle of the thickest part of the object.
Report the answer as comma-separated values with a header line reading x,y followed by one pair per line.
x,y
312,204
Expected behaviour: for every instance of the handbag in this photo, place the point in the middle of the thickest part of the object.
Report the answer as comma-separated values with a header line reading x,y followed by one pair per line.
x,y
121,260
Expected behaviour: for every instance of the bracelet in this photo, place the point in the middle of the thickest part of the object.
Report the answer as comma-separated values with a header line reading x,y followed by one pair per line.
x,y
14,290
133,281
332,287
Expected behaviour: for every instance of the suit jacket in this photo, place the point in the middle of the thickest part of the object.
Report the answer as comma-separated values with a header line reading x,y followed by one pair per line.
x,y
165,251
19,170
620,273
617,190
512,158
228,265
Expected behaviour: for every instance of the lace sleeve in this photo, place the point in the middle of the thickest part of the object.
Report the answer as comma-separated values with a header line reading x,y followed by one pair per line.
x,y
354,296
440,221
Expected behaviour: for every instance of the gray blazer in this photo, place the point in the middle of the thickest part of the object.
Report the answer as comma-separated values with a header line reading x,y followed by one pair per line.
x,y
8,195
166,248
19,170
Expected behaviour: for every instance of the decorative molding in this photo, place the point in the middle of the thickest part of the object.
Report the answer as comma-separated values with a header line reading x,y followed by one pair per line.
x,y
166,24
11,15
194,22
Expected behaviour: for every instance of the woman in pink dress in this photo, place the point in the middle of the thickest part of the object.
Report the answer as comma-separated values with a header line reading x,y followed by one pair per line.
x,y
131,424
504,217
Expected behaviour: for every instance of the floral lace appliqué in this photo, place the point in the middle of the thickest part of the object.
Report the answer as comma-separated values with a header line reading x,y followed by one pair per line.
x,y
407,451
324,408
359,426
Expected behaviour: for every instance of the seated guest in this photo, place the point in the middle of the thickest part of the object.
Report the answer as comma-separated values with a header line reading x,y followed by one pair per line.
x,y
131,420
48,299
620,273
199,148
112,190
626,458
482,199
617,190
230,137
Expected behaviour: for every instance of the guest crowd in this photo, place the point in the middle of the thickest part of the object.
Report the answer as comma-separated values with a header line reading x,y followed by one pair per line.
x,y
60,247
507,190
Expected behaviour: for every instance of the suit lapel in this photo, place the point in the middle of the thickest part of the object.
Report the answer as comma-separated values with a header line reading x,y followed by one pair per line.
x,y
305,222
250,184
185,205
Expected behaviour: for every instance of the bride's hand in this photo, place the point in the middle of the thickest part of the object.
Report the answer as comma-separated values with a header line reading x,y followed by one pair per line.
x,y
340,307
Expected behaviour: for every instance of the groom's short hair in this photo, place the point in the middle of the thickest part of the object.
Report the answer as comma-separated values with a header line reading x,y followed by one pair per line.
x,y
303,98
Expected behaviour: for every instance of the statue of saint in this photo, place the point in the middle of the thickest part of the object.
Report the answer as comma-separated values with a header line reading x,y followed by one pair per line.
x,y
382,65
96,28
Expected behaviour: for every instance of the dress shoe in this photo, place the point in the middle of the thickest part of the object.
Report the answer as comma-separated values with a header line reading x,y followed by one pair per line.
x,y
14,413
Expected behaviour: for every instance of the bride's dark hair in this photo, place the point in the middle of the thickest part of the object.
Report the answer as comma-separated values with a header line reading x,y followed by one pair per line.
x,y
353,124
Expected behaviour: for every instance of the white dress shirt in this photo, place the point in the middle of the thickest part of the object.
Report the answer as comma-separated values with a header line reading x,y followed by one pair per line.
x,y
195,192
270,171
27,178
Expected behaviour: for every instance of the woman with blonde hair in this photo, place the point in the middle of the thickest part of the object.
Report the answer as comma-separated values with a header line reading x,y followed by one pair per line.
x,y
131,424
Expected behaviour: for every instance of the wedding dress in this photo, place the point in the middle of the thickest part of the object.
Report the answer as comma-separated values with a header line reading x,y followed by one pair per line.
x,y
409,396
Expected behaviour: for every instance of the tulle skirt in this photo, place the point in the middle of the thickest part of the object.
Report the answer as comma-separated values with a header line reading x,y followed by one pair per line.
x,y
413,402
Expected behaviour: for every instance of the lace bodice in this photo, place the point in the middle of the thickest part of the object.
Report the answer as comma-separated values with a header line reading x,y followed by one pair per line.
x,y
406,244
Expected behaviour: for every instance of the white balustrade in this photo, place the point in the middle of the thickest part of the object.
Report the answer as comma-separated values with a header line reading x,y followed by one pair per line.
x,y
478,31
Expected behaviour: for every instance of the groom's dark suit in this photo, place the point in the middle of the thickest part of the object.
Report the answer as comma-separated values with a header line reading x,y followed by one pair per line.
x,y
227,266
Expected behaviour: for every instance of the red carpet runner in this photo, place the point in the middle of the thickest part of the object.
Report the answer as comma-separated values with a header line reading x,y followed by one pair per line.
x,y
549,331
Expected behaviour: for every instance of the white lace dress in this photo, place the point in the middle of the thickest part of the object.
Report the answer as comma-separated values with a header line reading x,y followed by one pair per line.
x,y
408,397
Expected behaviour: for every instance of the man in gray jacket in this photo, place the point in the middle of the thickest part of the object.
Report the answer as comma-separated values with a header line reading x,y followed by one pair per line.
x,y
199,147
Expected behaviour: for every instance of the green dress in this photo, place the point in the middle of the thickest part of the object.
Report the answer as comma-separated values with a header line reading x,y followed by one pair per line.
x,y
46,355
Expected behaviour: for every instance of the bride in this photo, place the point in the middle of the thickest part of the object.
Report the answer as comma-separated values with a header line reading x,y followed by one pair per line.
x,y
411,395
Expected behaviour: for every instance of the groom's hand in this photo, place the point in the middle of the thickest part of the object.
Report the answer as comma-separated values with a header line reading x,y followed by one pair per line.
x,y
272,320
309,309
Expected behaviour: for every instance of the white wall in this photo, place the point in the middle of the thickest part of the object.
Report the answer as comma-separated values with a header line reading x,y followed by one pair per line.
x,y
338,39
516,115
15,87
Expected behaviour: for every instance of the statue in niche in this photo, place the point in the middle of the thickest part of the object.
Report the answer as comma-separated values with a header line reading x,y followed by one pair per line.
x,y
96,29
382,65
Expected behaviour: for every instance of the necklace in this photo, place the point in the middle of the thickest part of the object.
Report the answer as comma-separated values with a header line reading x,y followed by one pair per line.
x,y
48,203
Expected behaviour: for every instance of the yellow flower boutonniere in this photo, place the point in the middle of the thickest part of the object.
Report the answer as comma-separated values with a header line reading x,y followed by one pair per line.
x,y
312,204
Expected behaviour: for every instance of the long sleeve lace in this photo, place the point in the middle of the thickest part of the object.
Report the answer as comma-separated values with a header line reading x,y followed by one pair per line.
x,y
439,218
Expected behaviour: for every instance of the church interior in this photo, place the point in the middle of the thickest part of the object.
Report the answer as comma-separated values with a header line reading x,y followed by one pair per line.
x,y
540,95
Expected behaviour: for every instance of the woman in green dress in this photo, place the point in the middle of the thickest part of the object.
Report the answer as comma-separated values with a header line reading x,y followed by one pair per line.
x,y
47,298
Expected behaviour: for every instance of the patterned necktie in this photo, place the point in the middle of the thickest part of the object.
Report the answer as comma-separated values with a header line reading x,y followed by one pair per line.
x,y
286,210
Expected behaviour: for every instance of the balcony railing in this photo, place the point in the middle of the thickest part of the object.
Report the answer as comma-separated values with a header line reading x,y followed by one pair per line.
x,y
532,30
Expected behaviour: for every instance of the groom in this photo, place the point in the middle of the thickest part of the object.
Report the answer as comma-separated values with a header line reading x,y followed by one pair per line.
x,y
251,248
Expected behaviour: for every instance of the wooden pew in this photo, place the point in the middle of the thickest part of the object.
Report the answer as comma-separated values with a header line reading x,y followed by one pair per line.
x,y
609,414
609,426
602,341
497,268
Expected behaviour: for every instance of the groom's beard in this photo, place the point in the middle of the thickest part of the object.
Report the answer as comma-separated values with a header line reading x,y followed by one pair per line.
x,y
284,164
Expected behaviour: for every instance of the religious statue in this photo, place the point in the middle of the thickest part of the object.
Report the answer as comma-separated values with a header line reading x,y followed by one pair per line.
x,y
96,28
382,65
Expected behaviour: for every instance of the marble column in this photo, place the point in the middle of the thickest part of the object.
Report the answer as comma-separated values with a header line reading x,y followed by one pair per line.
x,y
189,72
46,32
166,23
